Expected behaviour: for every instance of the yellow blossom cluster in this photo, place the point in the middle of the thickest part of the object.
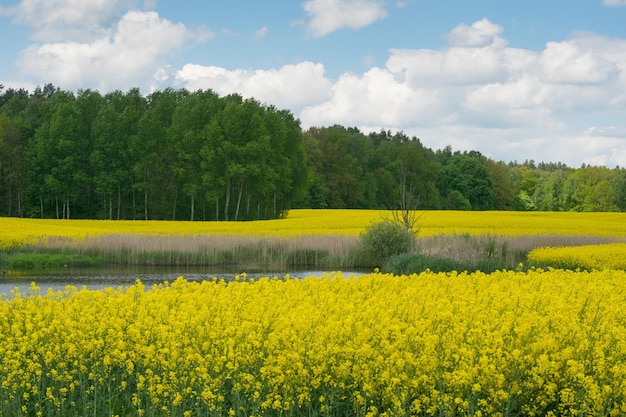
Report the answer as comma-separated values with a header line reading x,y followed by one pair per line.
x,y
532,343
607,256
304,222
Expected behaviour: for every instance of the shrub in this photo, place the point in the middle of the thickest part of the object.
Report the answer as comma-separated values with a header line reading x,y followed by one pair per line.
x,y
381,241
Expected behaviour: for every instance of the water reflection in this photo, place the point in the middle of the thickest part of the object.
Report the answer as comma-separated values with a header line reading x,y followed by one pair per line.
x,y
99,278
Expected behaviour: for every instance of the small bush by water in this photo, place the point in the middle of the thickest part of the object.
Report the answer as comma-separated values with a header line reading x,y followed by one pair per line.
x,y
381,241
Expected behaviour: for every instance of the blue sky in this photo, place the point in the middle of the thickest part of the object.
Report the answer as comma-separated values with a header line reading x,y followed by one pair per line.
x,y
540,80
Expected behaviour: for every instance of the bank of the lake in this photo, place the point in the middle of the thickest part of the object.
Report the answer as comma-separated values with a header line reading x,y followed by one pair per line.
x,y
124,276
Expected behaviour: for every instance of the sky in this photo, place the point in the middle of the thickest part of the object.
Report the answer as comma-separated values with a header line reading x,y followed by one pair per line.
x,y
515,80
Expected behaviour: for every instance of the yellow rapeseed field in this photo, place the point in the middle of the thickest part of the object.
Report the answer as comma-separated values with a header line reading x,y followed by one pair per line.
x,y
14,231
607,256
536,343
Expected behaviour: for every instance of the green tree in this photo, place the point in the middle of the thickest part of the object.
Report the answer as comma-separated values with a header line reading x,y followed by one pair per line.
x,y
503,187
619,188
12,168
57,155
338,170
466,174
186,138
153,158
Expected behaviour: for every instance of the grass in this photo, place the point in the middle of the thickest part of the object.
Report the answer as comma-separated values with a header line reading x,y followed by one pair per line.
x,y
26,261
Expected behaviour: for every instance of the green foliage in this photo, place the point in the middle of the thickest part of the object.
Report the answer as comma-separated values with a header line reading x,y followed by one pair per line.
x,y
524,202
27,261
198,156
125,156
381,241
467,175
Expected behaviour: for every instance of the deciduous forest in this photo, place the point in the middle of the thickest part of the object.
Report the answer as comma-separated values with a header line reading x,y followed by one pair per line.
x,y
175,154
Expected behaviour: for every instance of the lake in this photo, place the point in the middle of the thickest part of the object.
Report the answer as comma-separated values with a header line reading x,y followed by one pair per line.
x,y
100,278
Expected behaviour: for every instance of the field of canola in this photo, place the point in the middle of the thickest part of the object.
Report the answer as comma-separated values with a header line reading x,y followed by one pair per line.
x,y
537,343
15,232
599,257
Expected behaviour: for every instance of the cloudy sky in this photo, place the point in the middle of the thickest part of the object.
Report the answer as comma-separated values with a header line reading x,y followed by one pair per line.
x,y
534,79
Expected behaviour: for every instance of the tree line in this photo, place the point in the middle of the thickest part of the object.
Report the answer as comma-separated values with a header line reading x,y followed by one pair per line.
x,y
170,155
175,154
349,169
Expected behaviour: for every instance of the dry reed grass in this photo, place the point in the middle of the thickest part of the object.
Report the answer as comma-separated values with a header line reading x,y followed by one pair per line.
x,y
312,250
510,248
339,245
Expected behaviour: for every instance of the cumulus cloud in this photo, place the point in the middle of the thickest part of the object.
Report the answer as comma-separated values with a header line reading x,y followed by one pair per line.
x,y
327,16
480,33
375,99
567,62
63,20
131,53
291,86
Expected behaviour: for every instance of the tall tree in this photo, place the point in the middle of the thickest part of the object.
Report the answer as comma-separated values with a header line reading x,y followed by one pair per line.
x,y
186,138
12,168
467,174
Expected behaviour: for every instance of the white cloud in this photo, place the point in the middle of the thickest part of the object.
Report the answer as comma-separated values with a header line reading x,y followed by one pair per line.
x,y
480,33
375,99
614,3
130,55
291,86
328,16
63,20
567,62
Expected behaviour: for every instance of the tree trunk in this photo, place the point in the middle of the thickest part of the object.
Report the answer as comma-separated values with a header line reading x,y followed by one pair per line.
x,y
239,194
192,206
145,203
174,207
19,204
119,200
274,208
227,202
10,198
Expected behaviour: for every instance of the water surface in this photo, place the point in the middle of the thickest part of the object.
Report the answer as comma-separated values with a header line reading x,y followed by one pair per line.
x,y
100,278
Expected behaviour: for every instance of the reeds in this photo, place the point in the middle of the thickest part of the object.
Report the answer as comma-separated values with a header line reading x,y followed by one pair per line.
x,y
308,251
511,249
211,250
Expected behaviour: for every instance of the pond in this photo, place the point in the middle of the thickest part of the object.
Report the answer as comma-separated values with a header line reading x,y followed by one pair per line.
x,y
100,278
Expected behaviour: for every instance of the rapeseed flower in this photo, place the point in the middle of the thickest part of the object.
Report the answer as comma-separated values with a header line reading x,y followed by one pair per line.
x,y
606,256
511,342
